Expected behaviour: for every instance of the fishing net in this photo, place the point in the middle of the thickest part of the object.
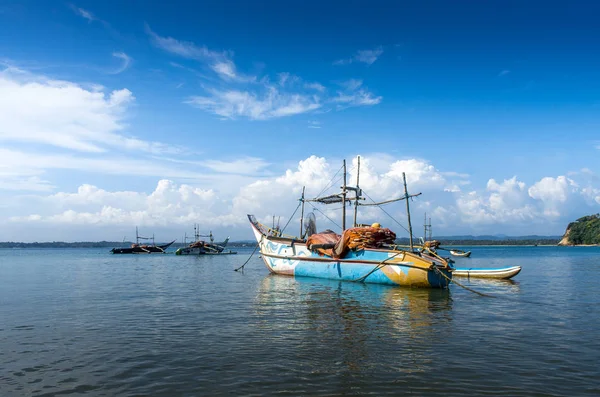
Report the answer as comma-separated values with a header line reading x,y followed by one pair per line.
x,y
336,246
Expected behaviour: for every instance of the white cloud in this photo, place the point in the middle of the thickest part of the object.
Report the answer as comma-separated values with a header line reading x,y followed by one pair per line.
x,y
84,13
32,163
352,84
315,86
365,56
504,206
503,73
19,182
260,99
37,109
553,193
126,62
169,203
354,94
227,71
243,166
314,124
552,190
271,104
186,49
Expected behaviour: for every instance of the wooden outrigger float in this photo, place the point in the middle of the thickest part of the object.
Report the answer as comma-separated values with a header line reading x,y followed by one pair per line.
x,y
360,254
499,273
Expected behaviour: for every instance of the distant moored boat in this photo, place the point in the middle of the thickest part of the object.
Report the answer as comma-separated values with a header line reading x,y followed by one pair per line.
x,y
138,248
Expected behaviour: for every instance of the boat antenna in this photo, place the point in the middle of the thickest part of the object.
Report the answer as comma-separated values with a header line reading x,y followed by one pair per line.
x,y
406,197
344,200
302,213
357,191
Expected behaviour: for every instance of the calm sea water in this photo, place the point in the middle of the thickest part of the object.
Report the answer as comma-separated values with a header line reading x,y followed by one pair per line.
x,y
79,321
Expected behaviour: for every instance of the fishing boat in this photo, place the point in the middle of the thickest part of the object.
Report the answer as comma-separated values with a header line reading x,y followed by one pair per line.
x,y
138,248
361,253
201,247
503,273
464,254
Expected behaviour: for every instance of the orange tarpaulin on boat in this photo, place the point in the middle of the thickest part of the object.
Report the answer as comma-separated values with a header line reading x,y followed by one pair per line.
x,y
353,239
323,242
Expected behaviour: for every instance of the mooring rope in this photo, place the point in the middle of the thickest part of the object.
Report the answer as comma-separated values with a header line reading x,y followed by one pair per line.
x,y
247,260
451,280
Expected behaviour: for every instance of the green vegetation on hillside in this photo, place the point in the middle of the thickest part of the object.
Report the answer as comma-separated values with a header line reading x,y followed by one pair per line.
x,y
585,230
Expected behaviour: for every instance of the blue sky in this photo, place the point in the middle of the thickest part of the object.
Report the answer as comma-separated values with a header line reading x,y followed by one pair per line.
x,y
491,106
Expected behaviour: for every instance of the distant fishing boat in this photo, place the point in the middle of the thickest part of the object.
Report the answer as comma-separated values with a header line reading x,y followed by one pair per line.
x,y
464,254
360,254
201,247
503,273
431,245
138,248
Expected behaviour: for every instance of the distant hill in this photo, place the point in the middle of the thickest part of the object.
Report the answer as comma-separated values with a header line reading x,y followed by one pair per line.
x,y
490,240
584,231
62,244
498,237
445,240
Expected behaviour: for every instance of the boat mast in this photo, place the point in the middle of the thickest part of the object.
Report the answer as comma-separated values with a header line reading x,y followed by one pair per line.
x,y
302,213
406,197
357,192
425,229
344,200
430,231
137,238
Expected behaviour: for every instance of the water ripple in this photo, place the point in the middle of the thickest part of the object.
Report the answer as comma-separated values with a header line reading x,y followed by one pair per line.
x,y
81,322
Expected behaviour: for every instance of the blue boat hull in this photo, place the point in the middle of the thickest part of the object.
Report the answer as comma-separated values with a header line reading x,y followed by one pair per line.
x,y
389,267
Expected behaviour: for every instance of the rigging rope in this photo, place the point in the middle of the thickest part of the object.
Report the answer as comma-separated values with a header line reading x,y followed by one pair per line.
x,y
291,217
385,212
330,220
331,182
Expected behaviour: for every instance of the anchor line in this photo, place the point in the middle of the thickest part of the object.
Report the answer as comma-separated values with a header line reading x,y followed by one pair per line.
x,y
248,260
450,280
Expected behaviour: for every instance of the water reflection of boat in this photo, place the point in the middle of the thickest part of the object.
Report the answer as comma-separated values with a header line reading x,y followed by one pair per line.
x,y
497,286
345,318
